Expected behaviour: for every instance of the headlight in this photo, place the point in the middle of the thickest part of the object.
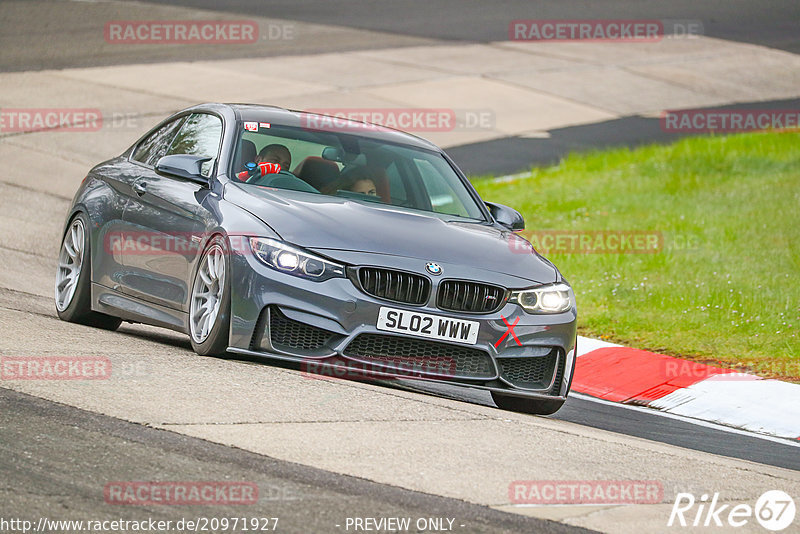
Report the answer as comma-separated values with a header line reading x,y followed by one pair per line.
x,y
296,261
551,298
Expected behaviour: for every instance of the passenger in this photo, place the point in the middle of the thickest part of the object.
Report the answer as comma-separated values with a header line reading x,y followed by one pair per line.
x,y
364,186
275,153
357,180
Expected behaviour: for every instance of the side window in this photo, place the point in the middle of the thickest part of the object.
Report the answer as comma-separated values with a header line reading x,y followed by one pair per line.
x,y
154,146
199,136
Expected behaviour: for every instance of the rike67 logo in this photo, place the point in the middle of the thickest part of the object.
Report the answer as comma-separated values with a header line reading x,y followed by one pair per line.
x,y
774,510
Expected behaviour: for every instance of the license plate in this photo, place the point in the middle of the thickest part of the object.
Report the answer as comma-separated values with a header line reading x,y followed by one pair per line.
x,y
430,326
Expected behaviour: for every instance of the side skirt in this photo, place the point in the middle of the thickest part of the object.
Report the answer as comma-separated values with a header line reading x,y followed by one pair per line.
x,y
110,302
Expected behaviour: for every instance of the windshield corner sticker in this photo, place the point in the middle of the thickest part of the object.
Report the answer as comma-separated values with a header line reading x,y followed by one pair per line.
x,y
264,125
251,126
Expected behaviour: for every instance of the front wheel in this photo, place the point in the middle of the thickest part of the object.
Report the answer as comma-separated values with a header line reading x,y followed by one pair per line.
x,y
209,311
521,404
73,291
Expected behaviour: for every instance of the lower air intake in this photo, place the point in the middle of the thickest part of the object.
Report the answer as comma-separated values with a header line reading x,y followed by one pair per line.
x,y
421,356
530,373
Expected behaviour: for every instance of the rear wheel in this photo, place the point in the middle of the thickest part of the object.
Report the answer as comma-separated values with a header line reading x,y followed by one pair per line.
x,y
209,311
73,291
521,404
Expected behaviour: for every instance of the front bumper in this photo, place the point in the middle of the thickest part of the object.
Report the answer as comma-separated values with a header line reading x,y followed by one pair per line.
x,y
332,325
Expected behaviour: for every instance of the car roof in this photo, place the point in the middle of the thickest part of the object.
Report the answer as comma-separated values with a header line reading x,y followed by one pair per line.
x,y
301,119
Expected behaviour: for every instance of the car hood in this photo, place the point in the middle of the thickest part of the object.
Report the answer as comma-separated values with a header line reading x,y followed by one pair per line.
x,y
329,224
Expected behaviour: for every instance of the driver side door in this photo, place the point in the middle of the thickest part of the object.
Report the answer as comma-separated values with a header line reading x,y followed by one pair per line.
x,y
167,219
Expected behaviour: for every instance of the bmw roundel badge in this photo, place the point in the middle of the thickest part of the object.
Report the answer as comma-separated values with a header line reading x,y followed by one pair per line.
x,y
434,268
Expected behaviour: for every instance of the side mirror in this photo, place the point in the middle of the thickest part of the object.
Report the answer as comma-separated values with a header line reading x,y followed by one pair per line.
x,y
508,217
184,166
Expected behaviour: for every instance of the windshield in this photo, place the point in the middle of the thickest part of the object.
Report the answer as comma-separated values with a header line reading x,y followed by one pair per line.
x,y
350,166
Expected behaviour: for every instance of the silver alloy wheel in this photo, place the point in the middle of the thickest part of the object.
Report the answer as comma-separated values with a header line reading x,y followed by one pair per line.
x,y
209,285
70,262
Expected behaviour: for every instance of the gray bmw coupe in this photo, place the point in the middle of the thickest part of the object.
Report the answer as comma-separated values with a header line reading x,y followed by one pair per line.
x,y
333,243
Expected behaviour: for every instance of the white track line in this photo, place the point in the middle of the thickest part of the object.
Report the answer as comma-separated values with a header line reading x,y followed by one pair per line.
x,y
698,422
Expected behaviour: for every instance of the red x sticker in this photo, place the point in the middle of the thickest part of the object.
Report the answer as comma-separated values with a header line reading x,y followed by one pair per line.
x,y
509,331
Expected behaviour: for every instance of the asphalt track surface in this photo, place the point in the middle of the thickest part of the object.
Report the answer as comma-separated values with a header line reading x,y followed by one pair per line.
x,y
647,424
773,23
45,34
56,460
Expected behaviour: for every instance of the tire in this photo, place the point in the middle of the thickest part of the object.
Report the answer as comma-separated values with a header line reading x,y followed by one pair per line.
x,y
210,337
73,284
523,405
